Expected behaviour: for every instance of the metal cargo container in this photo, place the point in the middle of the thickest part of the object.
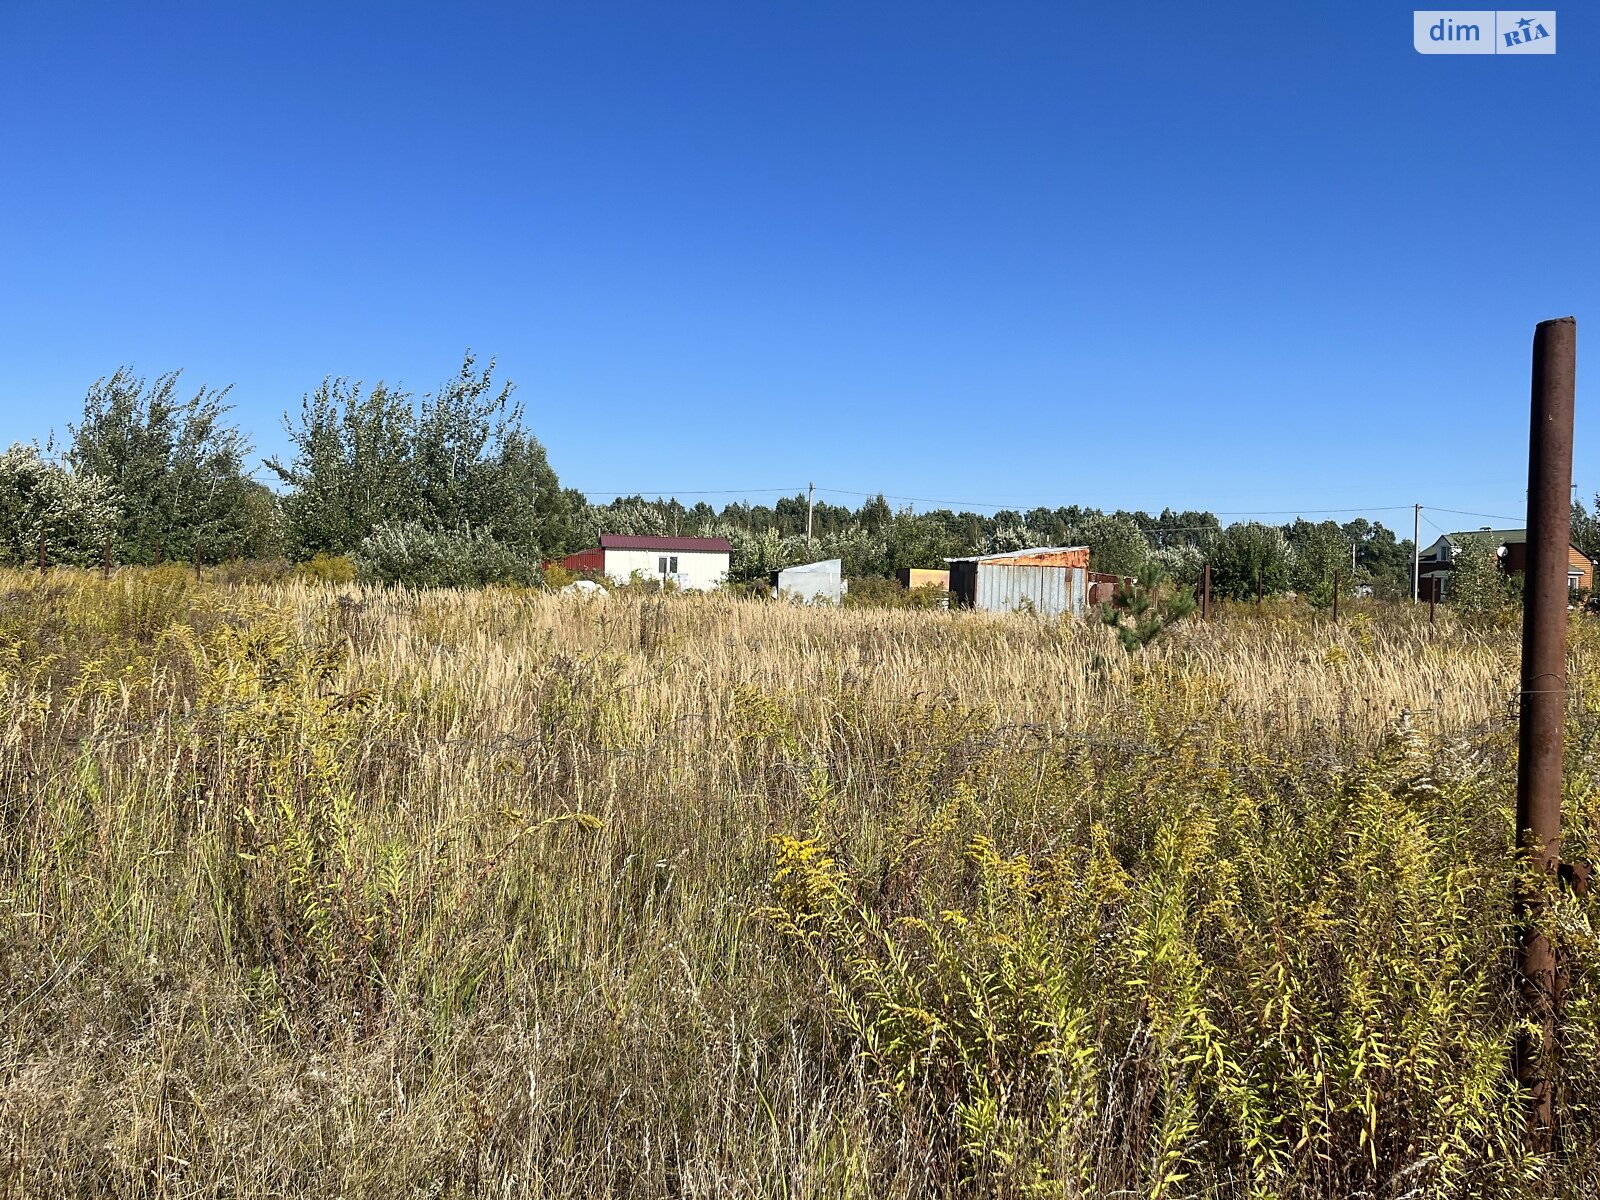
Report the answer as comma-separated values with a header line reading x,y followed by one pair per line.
x,y
811,582
1049,581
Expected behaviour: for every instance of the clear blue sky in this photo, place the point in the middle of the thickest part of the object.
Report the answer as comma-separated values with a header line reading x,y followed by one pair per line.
x,y
1243,257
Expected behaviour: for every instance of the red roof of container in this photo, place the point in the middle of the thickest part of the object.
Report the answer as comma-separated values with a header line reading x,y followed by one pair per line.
x,y
622,541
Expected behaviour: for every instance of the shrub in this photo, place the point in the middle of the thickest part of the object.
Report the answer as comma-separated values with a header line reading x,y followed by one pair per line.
x,y
413,555
557,576
877,592
322,567
259,570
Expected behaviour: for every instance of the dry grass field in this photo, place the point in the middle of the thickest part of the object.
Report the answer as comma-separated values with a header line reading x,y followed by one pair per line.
x,y
317,891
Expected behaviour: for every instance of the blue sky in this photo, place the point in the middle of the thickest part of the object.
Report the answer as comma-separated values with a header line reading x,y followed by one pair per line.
x,y
1252,258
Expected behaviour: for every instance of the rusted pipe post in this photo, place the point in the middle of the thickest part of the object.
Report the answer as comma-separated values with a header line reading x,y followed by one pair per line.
x,y
1261,587
1433,597
105,562
197,560
1205,602
159,547
1336,597
41,552
1542,721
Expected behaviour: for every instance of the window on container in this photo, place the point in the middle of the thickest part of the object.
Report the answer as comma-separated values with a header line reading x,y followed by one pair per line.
x,y
674,561
662,569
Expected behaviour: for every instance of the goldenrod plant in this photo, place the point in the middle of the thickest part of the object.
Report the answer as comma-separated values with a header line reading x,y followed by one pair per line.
x,y
323,889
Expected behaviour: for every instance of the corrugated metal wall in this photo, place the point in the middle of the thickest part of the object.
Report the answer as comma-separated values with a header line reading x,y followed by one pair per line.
x,y
1050,591
812,581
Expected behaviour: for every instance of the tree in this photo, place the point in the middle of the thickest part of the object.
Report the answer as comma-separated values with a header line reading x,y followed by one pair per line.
x,y
1477,583
353,466
1319,555
461,461
76,511
1586,528
1117,546
177,468
1246,553
1141,609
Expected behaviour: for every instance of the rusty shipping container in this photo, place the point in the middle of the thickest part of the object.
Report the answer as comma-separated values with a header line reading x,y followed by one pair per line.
x,y
1050,581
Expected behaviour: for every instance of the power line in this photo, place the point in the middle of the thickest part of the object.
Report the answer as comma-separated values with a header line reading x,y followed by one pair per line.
x,y
674,492
1246,512
1462,513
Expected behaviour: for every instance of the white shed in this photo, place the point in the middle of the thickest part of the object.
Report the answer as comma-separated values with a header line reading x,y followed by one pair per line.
x,y
693,564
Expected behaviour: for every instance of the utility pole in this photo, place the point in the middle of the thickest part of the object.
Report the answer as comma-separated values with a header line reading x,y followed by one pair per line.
x,y
811,489
1416,555
1542,718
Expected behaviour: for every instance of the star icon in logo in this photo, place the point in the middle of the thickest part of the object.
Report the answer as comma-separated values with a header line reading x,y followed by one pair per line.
x,y
1525,22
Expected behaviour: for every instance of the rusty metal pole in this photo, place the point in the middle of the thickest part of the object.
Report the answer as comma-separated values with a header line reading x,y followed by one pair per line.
x,y
1543,711
105,562
1336,597
1261,587
41,552
1433,598
159,547
1205,601
197,560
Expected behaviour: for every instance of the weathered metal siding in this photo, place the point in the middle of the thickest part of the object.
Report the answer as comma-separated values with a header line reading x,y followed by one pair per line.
x,y
1049,591
1067,556
811,582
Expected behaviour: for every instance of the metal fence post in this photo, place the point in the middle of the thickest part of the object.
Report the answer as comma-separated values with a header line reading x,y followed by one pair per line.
x,y
1542,717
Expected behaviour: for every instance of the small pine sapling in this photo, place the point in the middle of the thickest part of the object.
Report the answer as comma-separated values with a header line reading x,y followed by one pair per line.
x,y
1145,605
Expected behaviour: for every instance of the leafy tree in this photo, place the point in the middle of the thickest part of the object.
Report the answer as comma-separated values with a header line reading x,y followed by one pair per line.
x,y
1477,583
1140,610
1319,555
177,467
862,554
76,511
1586,528
478,468
1007,531
462,461
631,516
754,556
1184,563
1246,552
916,541
1117,546
353,466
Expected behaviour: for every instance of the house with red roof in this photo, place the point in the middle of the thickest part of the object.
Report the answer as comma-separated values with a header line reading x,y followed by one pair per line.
x,y
693,564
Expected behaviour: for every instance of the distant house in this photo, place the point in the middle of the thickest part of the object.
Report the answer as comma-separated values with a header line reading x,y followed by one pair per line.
x,y
1049,580
693,564
811,582
1435,564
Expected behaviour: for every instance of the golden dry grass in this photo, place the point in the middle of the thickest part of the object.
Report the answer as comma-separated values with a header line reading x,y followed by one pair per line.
x,y
338,892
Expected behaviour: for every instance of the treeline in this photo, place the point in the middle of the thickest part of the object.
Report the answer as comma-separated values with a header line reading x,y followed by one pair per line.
x,y
448,487
452,487
877,540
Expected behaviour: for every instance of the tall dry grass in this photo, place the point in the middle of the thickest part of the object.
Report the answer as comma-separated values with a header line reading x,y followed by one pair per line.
x,y
331,891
